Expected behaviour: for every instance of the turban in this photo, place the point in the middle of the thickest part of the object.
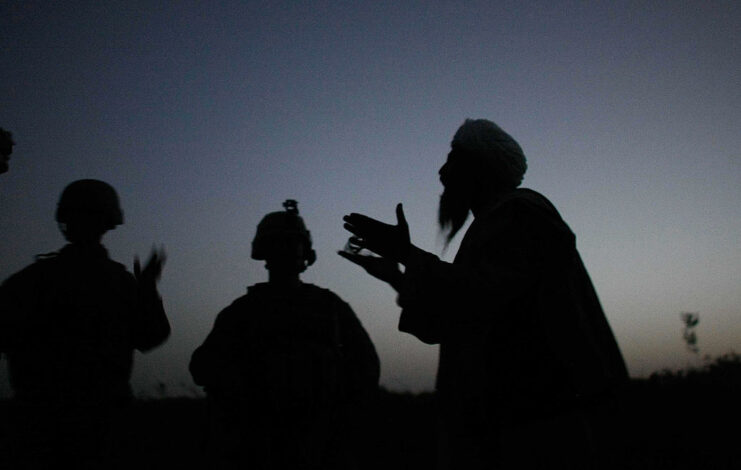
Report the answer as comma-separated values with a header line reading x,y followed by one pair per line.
x,y
495,149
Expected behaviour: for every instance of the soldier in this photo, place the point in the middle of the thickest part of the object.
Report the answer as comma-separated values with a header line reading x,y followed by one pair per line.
x,y
526,354
284,361
69,324
6,148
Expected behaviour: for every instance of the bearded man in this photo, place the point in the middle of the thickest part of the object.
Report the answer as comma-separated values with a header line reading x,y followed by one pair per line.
x,y
527,357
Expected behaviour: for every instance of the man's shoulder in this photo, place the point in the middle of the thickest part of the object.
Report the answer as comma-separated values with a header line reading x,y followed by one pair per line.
x,y
263,296
118,269
266,290
522,211
525,199
42,266
313,289
235,312
67,259
523,205
257,296
322,294
239,303
53,268
29,274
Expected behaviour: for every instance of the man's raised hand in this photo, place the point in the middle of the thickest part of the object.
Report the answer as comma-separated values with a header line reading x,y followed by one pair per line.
x,y
383,269
389,241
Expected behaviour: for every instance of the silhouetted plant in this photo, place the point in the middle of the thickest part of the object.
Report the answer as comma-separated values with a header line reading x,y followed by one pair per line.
x,y
690,321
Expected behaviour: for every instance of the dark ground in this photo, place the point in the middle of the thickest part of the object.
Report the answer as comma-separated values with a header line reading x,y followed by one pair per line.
x,y
674,420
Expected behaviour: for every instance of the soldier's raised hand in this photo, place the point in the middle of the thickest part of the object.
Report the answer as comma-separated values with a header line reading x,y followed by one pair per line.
x,y
152,271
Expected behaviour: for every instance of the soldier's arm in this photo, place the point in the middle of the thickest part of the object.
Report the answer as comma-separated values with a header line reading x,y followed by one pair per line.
x,y
15,298
4,318
204,363
214,363
153,327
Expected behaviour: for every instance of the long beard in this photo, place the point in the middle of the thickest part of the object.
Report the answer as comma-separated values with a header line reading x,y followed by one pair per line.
x,y
453,212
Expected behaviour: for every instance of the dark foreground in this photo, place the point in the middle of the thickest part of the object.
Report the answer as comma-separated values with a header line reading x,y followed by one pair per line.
x,y
685,420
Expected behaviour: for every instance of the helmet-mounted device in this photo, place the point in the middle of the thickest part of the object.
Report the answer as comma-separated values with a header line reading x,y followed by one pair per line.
x,y
280,225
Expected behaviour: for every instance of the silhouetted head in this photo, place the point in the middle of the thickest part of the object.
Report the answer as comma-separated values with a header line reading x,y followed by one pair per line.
x,y
6,148
87,209
283,241
484,161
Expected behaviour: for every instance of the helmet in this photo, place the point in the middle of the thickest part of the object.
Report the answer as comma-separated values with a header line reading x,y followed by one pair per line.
x,y
90,198
283,223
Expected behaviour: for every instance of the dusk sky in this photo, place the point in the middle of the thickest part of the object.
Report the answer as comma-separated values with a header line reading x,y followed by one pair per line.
x,y
205,116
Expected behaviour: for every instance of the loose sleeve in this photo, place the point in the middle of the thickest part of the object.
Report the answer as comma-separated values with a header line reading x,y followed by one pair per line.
x,y
500,260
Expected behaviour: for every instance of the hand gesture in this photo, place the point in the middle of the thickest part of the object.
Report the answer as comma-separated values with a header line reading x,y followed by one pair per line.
x,y
152,271
384,269
389,241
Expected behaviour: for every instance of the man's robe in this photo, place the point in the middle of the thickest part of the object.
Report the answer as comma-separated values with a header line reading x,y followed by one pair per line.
x,y
521,331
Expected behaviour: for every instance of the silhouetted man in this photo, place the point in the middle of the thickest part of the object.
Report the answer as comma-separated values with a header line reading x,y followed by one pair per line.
x,y
285,362
525,349
69,325
6,148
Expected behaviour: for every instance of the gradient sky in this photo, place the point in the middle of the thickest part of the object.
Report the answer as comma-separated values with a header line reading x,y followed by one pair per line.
x,y
207,115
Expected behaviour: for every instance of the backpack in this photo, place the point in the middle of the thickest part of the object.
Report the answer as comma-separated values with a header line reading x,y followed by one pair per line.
x,y
294,359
